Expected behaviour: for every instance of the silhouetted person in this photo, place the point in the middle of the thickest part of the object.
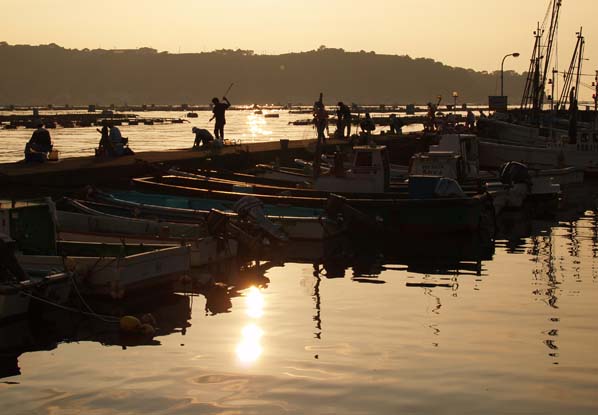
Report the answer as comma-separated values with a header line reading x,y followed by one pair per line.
x,y
470,120
573,122
39,145
219,111
367,125
202,137
117,140
572,98
343,115
105,146
431,117
395,125
320,118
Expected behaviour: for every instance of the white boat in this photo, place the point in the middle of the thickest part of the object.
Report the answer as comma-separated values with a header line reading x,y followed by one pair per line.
x,y
501,142
116,275
19,288
17,296
457,156
361,169
113,270
204,249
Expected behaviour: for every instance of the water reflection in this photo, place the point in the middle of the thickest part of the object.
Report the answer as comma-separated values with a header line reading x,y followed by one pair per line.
x,y
249,348
48,327
255,303
256,124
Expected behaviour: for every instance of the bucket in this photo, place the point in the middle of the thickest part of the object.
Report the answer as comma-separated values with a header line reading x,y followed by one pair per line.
x,y
54,155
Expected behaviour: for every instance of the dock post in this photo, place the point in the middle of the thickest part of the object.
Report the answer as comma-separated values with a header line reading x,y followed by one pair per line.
x,y
284,151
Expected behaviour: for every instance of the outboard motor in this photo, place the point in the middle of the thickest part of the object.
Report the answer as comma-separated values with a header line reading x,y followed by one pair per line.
x,y
251,208
10,269
514,172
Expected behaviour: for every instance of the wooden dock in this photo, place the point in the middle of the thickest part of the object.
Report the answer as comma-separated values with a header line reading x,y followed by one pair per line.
x,y
80,171
22,180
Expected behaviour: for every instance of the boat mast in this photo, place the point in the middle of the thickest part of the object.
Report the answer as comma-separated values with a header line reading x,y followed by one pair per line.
x,y
533,94
574,70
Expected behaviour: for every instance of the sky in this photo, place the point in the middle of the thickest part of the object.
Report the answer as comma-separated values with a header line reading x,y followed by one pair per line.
x,y
472,34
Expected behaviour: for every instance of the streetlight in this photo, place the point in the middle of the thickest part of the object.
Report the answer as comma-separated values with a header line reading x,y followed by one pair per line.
x,y
502,74
455,95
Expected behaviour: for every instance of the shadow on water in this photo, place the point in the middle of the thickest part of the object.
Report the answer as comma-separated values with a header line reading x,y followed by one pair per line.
x,y
47,327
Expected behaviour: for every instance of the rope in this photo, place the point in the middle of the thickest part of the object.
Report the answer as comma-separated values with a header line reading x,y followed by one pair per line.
x,y
107,319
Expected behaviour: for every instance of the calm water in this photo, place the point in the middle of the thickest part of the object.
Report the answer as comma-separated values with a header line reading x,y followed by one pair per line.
x,y
244,126
429,328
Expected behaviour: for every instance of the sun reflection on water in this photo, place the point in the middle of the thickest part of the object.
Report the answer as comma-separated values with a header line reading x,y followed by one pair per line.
x,y
256,125
249,348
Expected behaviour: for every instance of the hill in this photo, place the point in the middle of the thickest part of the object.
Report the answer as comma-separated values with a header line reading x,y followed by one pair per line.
x,y
50,74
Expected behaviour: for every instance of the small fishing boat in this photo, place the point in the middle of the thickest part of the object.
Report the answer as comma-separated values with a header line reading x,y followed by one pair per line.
x,y
20,288
16,297
192,115
113,270
204,248
192,211
272,115
457,156
431,210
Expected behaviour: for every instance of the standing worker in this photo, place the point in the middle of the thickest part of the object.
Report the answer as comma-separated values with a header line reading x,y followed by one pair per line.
x,y
470,120
219,110
320,118
344,119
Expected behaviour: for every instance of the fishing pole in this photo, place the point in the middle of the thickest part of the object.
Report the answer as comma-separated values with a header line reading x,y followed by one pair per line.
x,y
229,88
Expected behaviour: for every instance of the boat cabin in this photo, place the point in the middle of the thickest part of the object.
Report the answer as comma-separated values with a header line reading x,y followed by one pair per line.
x,y
369,173
456,156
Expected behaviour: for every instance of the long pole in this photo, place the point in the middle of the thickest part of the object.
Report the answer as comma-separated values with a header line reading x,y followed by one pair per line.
x,y
229,88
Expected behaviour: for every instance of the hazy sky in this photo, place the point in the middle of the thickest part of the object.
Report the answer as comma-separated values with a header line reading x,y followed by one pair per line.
x,y
469,33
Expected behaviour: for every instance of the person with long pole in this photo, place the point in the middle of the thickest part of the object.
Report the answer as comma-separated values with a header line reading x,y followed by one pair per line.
x,y
219,111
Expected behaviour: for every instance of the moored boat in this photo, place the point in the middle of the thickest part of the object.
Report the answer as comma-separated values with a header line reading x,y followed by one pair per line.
x,y
113,270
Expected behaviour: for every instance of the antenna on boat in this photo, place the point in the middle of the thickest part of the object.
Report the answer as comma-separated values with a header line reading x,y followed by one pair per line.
x,y
568,93
533,94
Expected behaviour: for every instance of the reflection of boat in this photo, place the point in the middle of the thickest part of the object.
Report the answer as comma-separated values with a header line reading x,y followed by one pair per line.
x,y
51,326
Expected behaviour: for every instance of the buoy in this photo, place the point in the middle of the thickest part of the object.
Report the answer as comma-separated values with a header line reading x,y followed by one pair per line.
x,y
148,318
130,324
147,330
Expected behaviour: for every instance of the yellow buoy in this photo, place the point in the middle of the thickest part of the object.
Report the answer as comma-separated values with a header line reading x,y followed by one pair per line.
x,y
148,330
130,324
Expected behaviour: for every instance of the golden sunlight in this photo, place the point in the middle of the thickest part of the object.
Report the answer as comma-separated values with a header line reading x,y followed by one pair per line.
x,y
250,349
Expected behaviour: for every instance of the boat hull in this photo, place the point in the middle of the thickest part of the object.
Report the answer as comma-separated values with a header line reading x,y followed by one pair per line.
x,y
117,277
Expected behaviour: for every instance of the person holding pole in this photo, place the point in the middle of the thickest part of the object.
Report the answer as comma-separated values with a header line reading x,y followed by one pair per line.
x,y
219,111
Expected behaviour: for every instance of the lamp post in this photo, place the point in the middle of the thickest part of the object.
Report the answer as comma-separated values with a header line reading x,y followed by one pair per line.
x,y
455,96
502,73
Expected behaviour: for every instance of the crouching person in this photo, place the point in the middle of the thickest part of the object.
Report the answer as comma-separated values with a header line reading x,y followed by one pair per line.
x,y
39,145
